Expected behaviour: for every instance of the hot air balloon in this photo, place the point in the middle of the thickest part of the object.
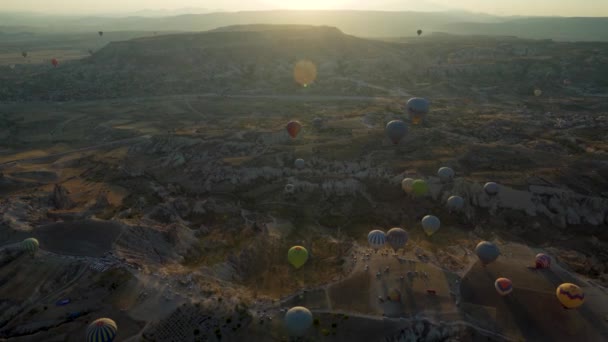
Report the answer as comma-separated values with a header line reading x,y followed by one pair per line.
x,y
396,130
419,32
543,260
299,163
455,203
102,330
317,123
100,33
376,239
406,185
12,66
293,128
30,245
397,238
24,54
487,252
298,320
430,224
503,286
491,188
445,174
297,256
417,109
54,62
290,188
571,296
420,187
394,295
538,92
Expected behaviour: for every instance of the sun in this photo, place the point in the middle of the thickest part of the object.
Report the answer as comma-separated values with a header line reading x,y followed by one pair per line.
x,y
309,4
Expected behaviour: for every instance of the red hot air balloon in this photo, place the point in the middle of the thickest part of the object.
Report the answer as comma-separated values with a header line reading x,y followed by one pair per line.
x,y
54,62
293,128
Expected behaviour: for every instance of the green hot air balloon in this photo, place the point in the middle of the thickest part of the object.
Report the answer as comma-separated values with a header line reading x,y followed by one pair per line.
x,y
297,256
420,187
30,245
298,320
102,330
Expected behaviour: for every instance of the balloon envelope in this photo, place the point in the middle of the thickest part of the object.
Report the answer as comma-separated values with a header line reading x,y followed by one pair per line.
x,y
102,330
571,296
396,130
293,128
430,224
298,320
445,174
543,260
417,109
407,184
503,286
317,123
455,203
394,295
538,92
420,187
491,188
376,239
396,238
487,252
100,33
419,32
299,163
54,61
30,245
290,188
297,256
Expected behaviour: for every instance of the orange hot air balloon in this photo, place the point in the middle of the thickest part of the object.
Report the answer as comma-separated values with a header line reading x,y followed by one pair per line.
x,y
293,128
54,62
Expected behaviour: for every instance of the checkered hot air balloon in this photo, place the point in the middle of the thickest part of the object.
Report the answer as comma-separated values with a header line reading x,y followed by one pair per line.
x,y
102,330
376,239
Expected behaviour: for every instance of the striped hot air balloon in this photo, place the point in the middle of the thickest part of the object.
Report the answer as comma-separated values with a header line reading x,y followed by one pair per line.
x,y
397,238
503,286
571,296
102,330
30,245
376,239
543,260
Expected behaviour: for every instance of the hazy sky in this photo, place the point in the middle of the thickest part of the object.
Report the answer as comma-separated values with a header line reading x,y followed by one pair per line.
x,y
504,7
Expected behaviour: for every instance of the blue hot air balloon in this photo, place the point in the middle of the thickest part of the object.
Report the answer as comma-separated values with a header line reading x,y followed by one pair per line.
x,y
298,320
396,130
487,252
417,109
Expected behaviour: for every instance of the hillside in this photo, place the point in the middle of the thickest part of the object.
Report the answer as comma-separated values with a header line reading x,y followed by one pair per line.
x,y
260,59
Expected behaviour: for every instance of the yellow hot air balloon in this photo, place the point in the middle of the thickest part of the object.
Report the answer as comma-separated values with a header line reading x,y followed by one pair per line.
x,y
570,295
297,256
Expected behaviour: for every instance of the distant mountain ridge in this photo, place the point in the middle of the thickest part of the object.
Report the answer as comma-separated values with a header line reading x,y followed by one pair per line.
x,y
358,23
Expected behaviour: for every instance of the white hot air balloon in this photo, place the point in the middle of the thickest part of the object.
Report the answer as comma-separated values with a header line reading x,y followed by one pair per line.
x,y
430,224
445,174
455,203
406,185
